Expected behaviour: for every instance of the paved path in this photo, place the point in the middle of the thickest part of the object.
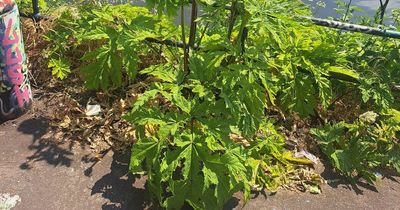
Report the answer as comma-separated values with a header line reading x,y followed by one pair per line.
x,y
51,176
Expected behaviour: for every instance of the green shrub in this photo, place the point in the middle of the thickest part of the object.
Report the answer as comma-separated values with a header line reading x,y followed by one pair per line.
x,y
202,133
202,129
104,42
356,149
185,144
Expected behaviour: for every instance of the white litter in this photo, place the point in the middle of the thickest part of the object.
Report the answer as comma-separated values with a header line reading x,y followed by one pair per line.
x,y
378,175
8,202
93,110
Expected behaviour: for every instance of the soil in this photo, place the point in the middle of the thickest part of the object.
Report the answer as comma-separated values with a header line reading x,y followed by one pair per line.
x,y
52,175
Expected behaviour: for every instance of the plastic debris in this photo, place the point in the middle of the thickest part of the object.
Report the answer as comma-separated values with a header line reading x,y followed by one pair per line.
x,y
378,175
93,110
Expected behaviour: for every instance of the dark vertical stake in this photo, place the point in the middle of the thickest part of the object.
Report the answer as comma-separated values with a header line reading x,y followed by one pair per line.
x,y
35,6
193,24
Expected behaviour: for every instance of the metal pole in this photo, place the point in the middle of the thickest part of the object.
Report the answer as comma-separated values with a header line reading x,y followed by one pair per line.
x,y
35,6
36,16
352,27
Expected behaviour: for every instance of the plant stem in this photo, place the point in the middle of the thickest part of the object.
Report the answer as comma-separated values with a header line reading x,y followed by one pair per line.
x,y
232,18
193,25
185,48
382,10
203,33
344,19
347,11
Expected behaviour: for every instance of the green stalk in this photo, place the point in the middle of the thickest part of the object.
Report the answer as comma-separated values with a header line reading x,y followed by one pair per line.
x,y
185,48
344,19
347,11
203,33
232,18
193,24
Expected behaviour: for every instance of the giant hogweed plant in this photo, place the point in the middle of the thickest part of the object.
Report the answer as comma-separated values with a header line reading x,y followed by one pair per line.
x,y
221,87
357,149
316,66
303,60
185,127
109,39
202,133
201,126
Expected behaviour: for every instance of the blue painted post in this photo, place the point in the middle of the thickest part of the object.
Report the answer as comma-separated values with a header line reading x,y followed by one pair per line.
x,y
15,90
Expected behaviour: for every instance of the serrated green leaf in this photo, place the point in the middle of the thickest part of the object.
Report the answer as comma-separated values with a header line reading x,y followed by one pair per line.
x,y
145,148
181,101
60,68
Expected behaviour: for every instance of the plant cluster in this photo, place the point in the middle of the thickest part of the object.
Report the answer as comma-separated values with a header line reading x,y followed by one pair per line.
x,y
105,42
202,127
356,149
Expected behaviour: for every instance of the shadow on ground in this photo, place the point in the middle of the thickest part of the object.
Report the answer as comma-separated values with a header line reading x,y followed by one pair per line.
x,y
358,186
125,191
53,153
122,189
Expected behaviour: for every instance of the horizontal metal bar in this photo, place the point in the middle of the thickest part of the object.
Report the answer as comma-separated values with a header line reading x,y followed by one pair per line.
x,y
352,27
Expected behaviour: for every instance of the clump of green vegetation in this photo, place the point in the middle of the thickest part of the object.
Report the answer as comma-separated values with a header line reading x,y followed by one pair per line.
x,y
108,40
201,120
356,149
